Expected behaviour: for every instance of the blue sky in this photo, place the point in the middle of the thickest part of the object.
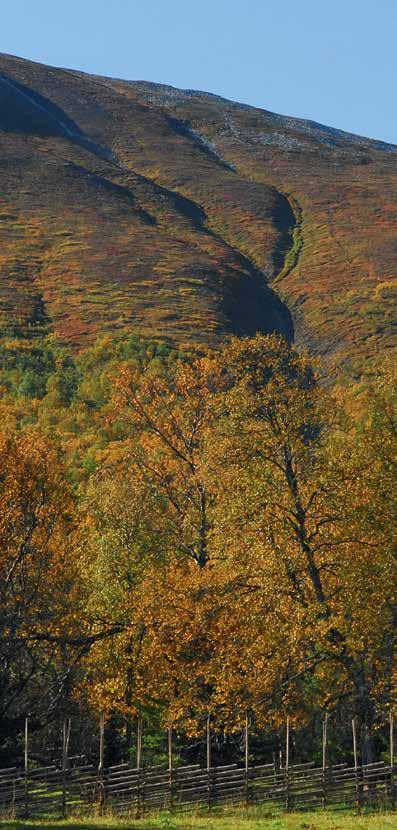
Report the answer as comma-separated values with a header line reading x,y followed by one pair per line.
x,y
334,62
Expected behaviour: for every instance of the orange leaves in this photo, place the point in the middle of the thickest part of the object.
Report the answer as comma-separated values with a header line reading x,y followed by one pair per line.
x,y
36,505
40,588
234,541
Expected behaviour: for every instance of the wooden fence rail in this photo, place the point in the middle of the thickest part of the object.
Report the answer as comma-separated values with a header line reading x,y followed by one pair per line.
x,y
59,792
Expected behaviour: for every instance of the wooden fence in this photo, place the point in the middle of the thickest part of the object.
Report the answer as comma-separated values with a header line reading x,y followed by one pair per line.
x,y
59,792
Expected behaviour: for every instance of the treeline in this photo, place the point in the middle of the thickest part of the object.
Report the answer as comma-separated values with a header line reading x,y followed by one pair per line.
x,y
193,535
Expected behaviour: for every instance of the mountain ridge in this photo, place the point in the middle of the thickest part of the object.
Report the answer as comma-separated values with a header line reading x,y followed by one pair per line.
x,y
254,221
198,93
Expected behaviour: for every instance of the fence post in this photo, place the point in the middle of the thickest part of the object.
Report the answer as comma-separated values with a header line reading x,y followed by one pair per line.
x,y
391,719
356,773
246,748
65,741
68,731
140,793
101,784
139,733
325,735
287,789
26,766
101,740
209,759
171,781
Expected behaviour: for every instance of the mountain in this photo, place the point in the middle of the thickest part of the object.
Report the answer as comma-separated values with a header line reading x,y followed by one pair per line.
x,y
176,214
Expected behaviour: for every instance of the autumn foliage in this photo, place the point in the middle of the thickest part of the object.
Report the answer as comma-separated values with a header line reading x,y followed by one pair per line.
x,y
41,591
230,550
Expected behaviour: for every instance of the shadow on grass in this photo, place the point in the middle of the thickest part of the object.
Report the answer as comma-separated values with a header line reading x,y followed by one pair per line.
x,y
142,824
75,824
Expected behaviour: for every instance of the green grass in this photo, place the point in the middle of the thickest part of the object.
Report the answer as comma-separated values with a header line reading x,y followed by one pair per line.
x,y
238,819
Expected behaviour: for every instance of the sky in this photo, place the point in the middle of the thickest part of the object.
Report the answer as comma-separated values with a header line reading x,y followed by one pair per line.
x,y
333,62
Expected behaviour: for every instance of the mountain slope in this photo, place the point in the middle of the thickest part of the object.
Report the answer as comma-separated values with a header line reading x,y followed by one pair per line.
x,y
129,205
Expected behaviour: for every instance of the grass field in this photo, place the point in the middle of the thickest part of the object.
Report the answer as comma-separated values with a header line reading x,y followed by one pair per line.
x,y
253,819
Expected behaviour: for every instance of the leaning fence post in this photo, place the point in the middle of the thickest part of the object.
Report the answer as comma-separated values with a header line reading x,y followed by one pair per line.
x,y
287,792
68,731
325,730
354,730
391,720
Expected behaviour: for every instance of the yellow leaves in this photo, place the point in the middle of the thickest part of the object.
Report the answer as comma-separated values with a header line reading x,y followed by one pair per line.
x,y
234,536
